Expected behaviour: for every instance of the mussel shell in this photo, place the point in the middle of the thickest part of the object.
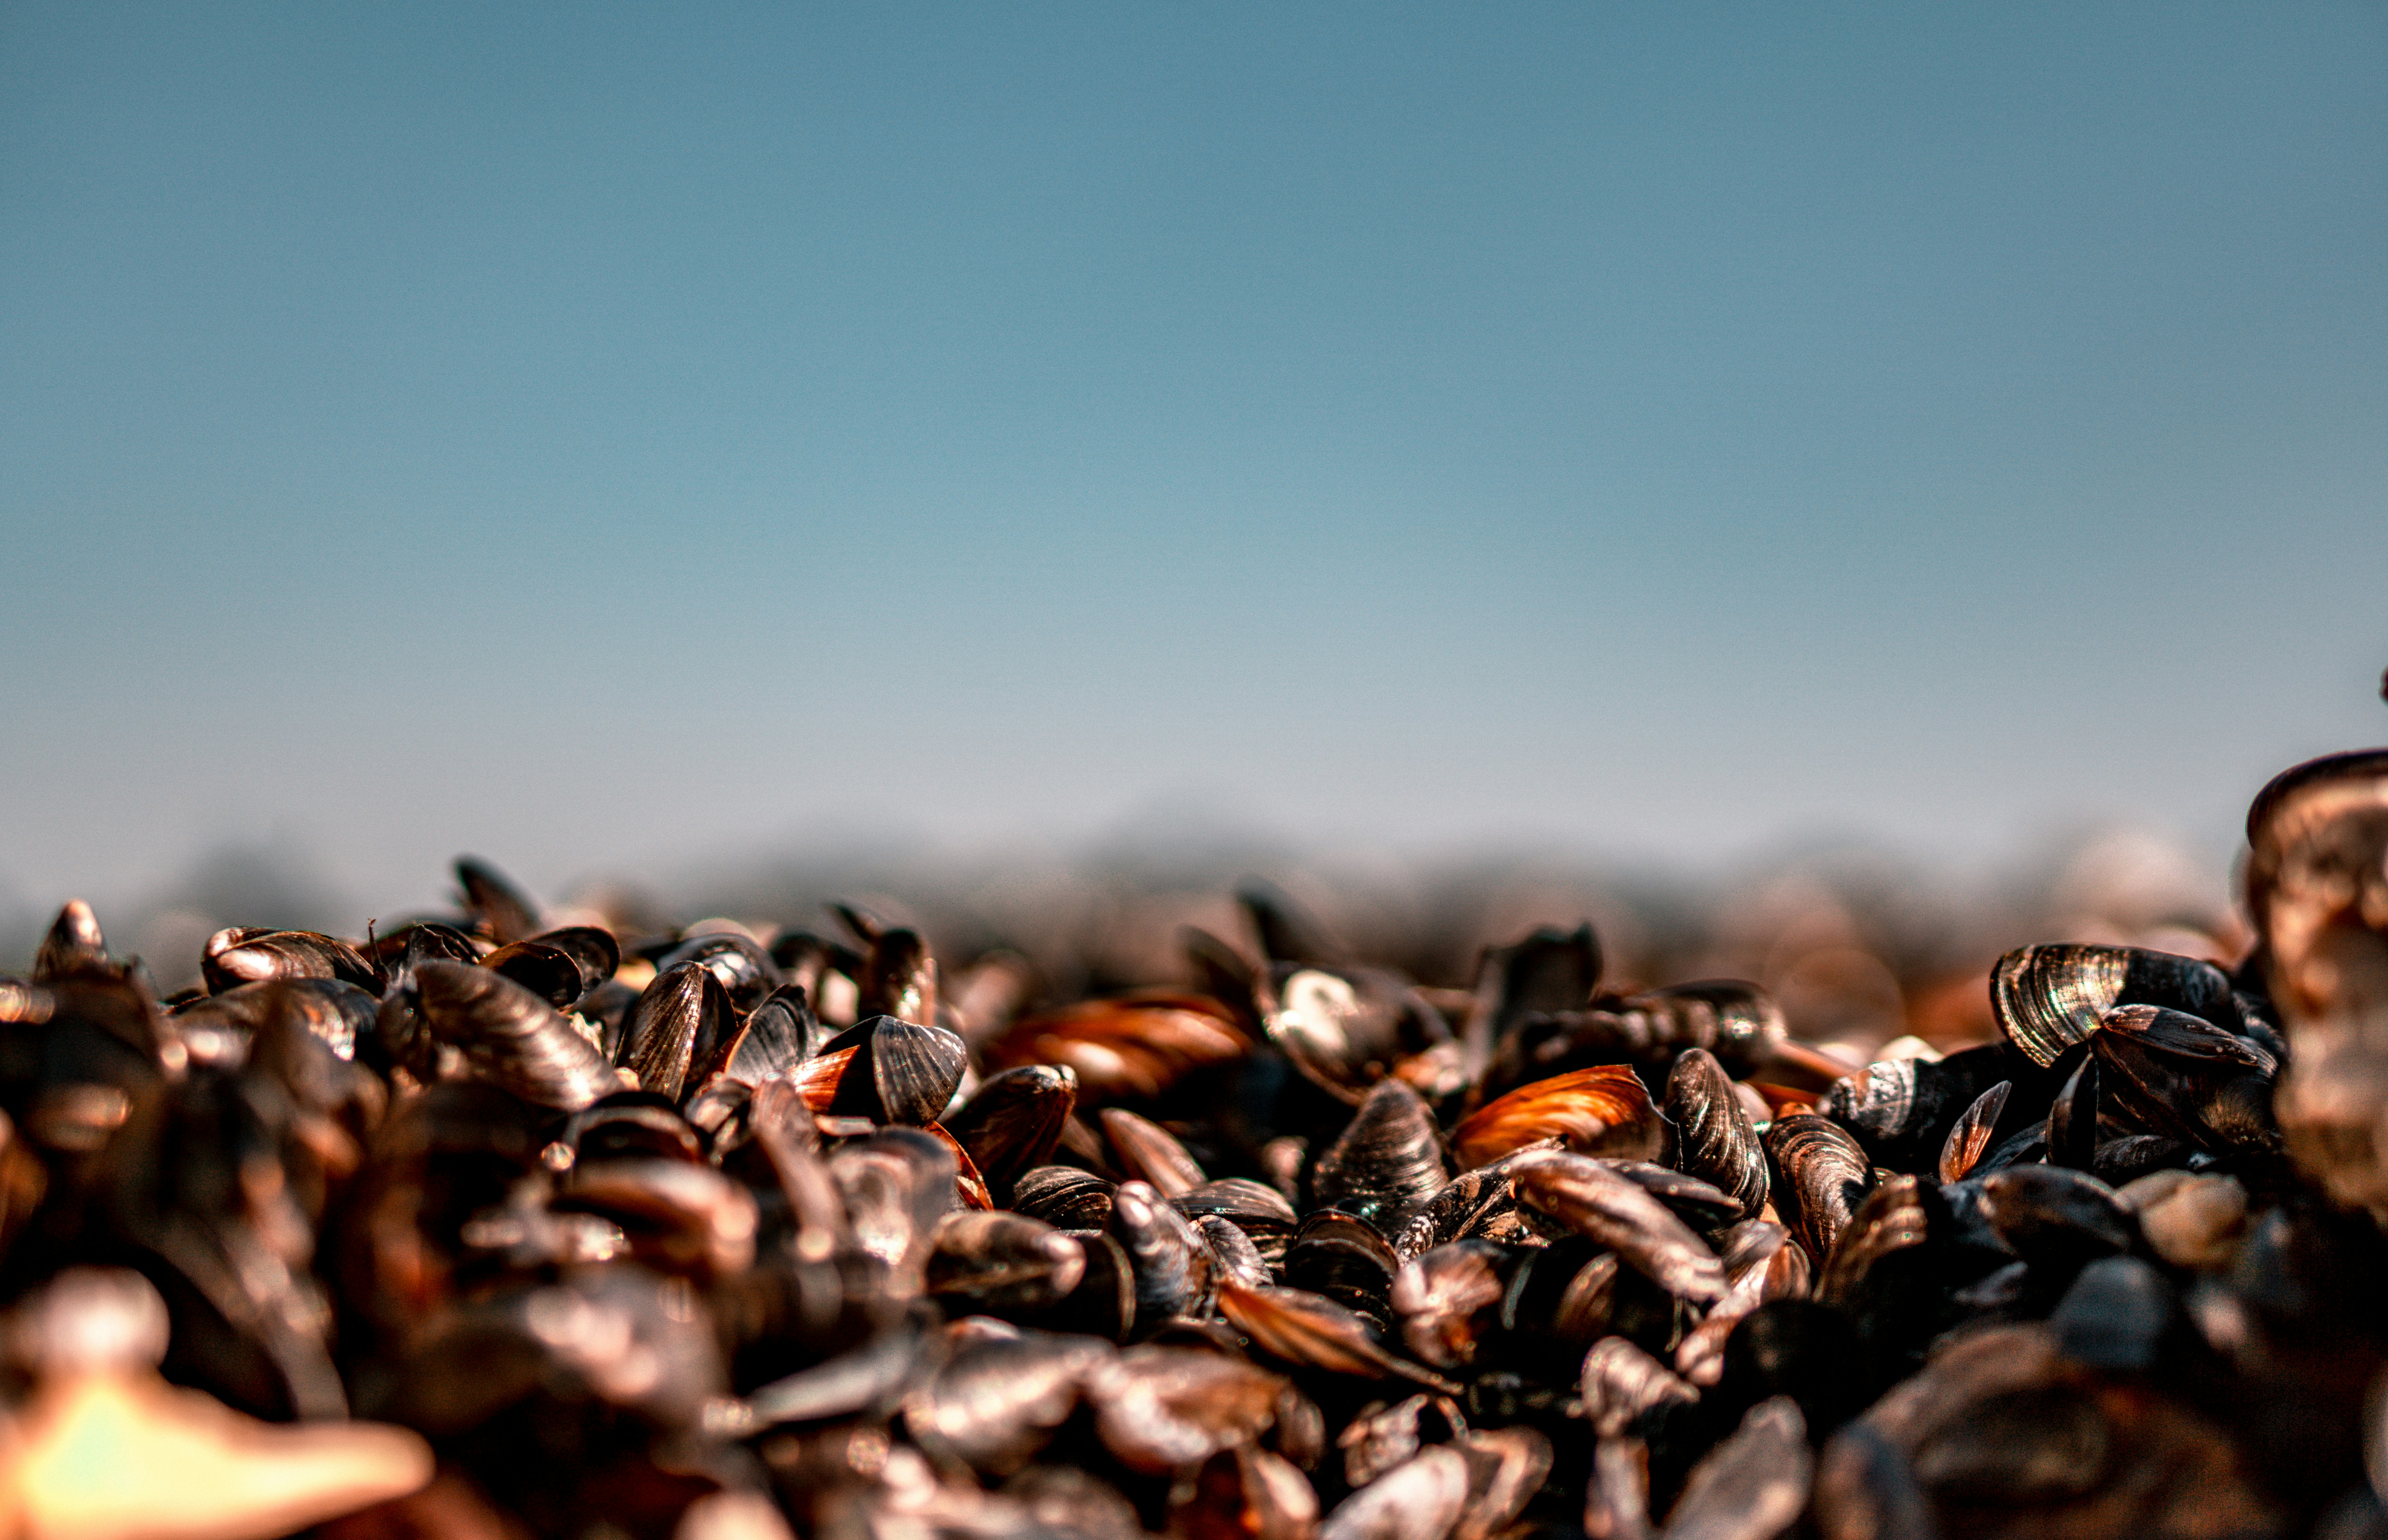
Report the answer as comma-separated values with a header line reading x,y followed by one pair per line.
x,y
998,1400
742,965
1308,1330
499,907
1168,1408
1380,1436
1387,1161
1714,1138
591,946
1825,1178
681,1021
898,1071
1754,1483
1103,1305
1346,1029
548,972
1423,1499
2072,1130
1474,1204
1695,1201
72,943
247,955
1064,1196
2184,1079
1014,1120
1233,1251
681,1216
1733,1019
2050,1215
901,977
1002,1263
1345,1258
1971,1136
1175,1270
1448,1299
1550,970
1588,1199
1260,1212
897,1183
1620,1382
775,1037
1151,1153
1603,1110
1137,1045
2049,998
510,1037
1901,1110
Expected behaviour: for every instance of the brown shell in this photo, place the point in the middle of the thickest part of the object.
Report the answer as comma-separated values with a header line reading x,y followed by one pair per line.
x,y
1604,1110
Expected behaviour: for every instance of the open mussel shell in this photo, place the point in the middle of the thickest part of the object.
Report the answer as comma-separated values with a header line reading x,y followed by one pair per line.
x,y
1604,1110
548,972
510,1037
1714,1138
1901,1110
2049,998
1962,1150
1387,1159
1012,1122
2180,1078
1345,1028
885,1069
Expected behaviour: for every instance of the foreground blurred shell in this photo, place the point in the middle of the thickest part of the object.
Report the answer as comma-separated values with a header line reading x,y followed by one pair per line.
x,y
105,1450
2317,887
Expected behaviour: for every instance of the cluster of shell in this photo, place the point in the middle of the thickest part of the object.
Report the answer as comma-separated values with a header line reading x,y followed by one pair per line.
x,y
636,1243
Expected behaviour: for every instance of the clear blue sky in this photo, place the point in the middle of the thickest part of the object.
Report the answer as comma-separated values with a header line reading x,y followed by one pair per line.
x,y
603,435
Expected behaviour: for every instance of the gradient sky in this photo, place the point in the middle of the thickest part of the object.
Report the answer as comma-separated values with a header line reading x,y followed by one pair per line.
x,y
615,437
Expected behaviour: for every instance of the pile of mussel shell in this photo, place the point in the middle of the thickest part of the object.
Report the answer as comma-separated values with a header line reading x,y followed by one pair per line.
x,y
491,1225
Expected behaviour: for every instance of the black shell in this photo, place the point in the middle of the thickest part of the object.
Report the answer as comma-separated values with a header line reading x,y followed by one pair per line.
x,y
1387,1161
511,1037
1824,1177
1714,1138
2047,998
1014,1120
